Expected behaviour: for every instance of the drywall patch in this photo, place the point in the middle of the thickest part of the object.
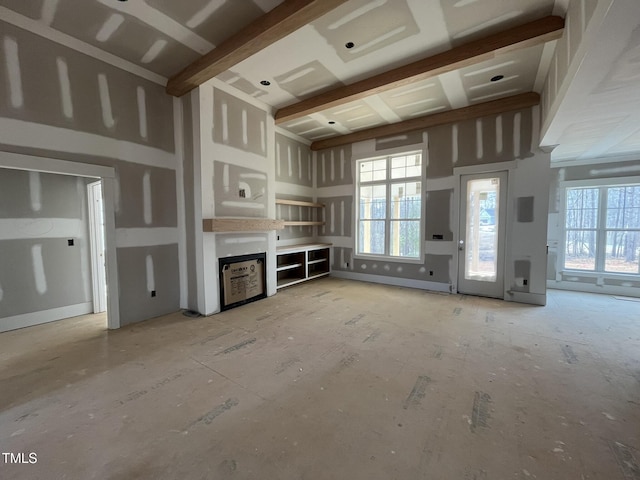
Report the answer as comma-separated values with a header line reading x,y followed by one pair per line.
x,y
309,79
38,269
14,72
338,160
293,161
241,123
232,78
229,244
65,88
239,191
35,191
134,210
338,222
43,99
393,22
394,141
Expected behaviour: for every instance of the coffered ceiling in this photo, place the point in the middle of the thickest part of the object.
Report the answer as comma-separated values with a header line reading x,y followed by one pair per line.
x,y
337,44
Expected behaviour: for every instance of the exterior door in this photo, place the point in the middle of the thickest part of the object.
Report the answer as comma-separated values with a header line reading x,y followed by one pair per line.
x,y
482,232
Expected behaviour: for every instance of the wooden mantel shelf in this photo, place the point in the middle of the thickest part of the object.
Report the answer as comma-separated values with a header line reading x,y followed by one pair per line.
x,y
241,224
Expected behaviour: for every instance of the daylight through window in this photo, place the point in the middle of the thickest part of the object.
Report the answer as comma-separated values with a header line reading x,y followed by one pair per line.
x,y
390,206
602,227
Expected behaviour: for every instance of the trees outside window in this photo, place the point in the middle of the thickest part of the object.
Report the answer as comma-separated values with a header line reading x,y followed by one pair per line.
x,y
602,226
389,206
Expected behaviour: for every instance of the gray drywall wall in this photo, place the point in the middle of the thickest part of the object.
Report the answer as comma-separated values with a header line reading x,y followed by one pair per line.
x,y
334,167
141,270
239,191
293,161
71,107
507,137
439,206
239,124
39,270
100,99
231,245
337,215
138,207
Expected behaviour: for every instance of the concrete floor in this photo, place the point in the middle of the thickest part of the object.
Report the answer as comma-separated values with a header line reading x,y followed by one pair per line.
x,y
332,379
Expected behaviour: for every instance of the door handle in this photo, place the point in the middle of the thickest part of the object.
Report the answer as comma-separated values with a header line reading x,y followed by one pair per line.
x,y
461,245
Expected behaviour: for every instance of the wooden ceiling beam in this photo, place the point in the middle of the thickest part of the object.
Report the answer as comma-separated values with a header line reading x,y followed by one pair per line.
x,y
494,107
274,25
530,34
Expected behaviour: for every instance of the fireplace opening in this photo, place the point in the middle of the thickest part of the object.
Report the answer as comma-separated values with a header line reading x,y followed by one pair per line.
x,y
243,279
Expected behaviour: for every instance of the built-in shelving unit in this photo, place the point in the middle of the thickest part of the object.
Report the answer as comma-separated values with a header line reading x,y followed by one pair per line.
x,y
299,263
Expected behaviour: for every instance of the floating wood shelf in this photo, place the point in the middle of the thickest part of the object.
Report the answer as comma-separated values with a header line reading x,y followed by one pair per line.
x,y
299,203
292,223
241,224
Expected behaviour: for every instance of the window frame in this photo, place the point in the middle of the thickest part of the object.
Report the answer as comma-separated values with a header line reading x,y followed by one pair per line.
x,y
601,229
388,182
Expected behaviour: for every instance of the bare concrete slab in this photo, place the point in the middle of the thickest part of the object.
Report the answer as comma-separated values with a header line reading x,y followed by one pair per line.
x,y
331,379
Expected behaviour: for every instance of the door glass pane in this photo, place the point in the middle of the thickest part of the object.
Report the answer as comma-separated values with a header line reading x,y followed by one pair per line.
x,y
580,252
622,252
481,241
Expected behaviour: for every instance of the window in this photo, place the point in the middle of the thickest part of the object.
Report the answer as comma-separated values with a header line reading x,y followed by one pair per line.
x,y
390,206
602,227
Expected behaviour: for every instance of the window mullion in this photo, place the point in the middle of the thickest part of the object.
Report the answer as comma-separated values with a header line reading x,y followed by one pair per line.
x,y
387,227
601,248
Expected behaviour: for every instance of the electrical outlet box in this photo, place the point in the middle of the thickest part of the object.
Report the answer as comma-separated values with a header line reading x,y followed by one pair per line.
x,y
431,273
70,242
153,293
242,193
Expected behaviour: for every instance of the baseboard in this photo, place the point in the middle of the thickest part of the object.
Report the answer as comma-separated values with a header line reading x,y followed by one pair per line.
x,y
603,289
44,316
525,297
395,281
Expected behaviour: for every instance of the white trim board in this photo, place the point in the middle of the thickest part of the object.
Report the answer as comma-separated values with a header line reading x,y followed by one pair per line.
x,y
68,41
47,137
18,161
146,237
26,228
394,281
44,316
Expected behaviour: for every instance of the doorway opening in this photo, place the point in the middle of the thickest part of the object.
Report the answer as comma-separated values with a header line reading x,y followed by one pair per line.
x,y
105,176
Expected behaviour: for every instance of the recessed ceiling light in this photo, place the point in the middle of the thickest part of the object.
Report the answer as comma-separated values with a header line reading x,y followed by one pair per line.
x,y
497,78
331,122
266,83
349,44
